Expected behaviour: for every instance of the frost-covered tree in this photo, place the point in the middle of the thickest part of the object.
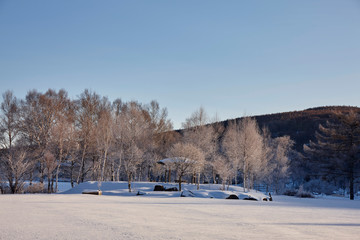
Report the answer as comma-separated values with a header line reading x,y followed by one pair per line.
x,y
279,162
134,130
186,158
230,146
204,136
160,128
243,145
223,167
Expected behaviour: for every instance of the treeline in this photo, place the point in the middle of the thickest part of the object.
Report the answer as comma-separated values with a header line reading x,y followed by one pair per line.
x,y
48,136
327,140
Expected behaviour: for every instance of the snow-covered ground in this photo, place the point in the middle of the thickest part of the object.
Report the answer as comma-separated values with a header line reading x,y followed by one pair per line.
x,y
147,189
79,216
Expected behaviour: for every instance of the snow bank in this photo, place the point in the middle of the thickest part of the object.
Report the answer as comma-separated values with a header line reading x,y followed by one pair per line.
x,y
147,189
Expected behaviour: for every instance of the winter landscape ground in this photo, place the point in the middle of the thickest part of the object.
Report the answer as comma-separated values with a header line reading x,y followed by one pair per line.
x,y
164,215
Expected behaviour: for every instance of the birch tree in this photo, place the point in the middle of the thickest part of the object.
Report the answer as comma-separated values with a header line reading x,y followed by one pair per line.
x,y
62,129
135,130
186,159
223,167
9,120
38,116
204,136
15,165
159,133
88,107
104,135
243,144
280,161
50,166
231,147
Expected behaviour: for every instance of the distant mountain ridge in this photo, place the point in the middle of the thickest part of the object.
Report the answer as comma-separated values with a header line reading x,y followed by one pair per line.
x,y
299,125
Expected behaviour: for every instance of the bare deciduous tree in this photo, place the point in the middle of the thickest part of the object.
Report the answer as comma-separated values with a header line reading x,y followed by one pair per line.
x,y
38,116
61,130
160,135
15,165
203,136
9,121
279,162
104,135
243,144
134,130
13,160
50,166
88,107
197,118
223,167
186,158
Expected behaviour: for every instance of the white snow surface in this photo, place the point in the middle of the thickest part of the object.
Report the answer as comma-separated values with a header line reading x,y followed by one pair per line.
x,y
147,189
151,216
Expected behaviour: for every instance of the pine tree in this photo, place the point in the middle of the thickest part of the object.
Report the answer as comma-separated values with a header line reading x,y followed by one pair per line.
x,y
337,149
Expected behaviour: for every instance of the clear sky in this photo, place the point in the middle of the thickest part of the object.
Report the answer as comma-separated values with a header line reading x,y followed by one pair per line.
x,y
231,57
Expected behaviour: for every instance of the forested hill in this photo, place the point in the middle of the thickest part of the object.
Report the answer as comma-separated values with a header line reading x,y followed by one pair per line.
x,y
299,125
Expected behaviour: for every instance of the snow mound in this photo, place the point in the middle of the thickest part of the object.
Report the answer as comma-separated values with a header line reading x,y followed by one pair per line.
x,y
146,189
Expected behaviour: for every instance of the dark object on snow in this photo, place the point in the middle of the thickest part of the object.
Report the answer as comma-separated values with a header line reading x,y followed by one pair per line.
x,y
265,199
250,198
95,192
140,193
232,196
270,197
290,193
304,195
159,188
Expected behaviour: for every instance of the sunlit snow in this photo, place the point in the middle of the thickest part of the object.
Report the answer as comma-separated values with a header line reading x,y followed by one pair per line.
x,y
151,216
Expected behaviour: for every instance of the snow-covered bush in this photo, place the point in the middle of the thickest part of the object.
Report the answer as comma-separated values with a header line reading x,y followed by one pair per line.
x,y
319,186
301,193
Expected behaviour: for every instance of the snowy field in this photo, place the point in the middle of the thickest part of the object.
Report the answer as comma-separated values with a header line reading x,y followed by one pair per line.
x,y
77,216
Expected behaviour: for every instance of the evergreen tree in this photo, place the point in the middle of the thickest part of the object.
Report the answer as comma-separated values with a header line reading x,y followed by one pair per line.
x,y
337,148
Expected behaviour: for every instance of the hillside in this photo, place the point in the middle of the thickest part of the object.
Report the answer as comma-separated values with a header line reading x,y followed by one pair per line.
x,y
299,125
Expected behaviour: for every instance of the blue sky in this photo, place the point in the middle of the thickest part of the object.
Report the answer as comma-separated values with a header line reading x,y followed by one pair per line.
x,y
231,57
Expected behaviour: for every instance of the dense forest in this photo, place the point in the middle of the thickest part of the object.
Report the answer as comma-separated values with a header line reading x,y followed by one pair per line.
x,y
48,137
